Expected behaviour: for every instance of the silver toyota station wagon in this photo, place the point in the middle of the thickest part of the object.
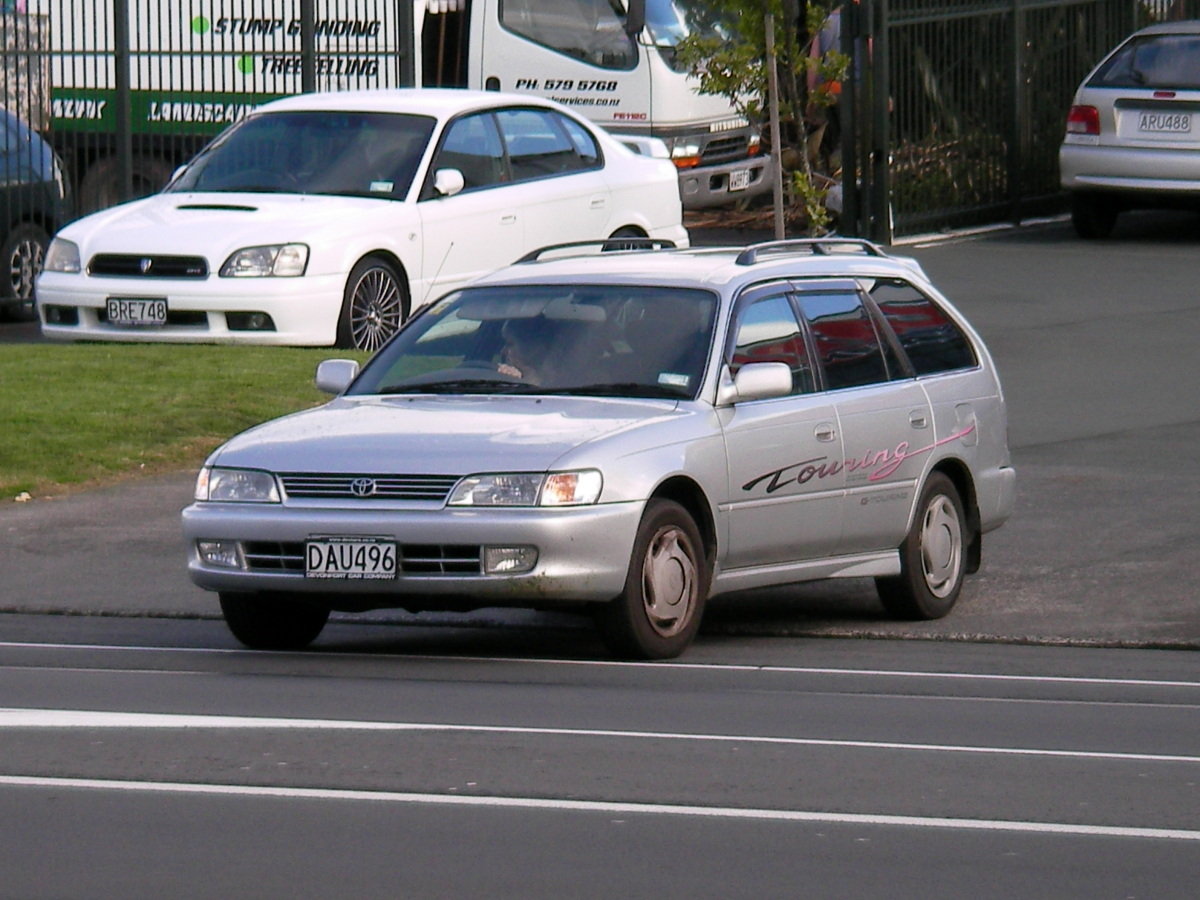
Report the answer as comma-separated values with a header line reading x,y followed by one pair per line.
x,y
624,434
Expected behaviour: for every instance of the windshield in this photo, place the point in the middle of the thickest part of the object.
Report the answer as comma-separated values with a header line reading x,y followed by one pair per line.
x,y
670,21
602,340
361,154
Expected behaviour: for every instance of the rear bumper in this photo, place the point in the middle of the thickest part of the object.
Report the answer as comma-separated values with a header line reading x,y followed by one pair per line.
x,y
1130,170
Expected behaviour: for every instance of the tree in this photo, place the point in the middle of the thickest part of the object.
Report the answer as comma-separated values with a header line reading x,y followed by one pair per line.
x,y
730,61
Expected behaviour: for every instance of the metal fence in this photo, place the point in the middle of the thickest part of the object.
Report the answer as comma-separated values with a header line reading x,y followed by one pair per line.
x,y
961,104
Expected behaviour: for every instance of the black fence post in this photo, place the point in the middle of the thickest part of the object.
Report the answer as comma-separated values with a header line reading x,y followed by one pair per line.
x,y
881,132
123,115
308,46
850,219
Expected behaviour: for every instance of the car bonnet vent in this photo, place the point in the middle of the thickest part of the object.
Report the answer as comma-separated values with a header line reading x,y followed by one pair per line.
x,y
219,207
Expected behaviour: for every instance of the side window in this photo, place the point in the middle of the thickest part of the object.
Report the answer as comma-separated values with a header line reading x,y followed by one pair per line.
x,y
847,344
585,144
590,30
933,342
768,331
537,144
473,147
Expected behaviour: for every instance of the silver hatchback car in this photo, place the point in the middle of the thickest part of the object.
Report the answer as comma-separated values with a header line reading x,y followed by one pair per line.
x,y
627,434
1133,133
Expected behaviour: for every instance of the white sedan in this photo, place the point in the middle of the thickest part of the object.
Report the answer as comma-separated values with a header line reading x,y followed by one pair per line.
x,y
326,219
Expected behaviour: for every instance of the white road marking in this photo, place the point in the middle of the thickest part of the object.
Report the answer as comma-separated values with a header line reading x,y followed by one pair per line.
x,y
12,718
606,807
666,665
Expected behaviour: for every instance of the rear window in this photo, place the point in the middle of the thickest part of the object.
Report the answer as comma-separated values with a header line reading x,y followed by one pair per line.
x,y
1154,61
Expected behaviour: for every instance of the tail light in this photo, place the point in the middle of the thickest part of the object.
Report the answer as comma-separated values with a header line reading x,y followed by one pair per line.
x,y
1083,120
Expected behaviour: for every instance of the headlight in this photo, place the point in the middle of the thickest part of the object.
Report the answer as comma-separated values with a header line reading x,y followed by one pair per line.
x,y
236,486
62,256
273,260
527,489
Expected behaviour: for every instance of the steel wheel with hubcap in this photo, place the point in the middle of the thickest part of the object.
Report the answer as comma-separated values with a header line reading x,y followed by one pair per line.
x,y
374,305
659,612
273,622
933,557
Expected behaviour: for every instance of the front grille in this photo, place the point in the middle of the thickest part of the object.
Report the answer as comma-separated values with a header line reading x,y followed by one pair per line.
x,y
311,486
148,265
724,149
414,559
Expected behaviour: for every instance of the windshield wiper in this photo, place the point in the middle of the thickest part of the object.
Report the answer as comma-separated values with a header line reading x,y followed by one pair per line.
x,y
464,385
614,389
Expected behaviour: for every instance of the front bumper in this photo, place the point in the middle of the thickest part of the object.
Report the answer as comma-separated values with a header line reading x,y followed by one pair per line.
x,y
583,552
708,186
304,310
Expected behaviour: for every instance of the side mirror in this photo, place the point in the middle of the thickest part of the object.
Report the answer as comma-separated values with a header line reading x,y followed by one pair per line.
x,y
635,17
756,381
448,182
335,375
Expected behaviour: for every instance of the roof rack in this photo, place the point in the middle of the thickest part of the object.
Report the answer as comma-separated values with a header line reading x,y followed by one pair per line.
x,y
609,245
813,246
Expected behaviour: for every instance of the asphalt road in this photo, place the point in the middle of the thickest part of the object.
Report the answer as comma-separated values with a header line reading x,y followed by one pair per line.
x,y
1095,343
141,759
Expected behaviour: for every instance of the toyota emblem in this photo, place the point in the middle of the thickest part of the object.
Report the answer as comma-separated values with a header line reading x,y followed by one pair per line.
x,y
362,487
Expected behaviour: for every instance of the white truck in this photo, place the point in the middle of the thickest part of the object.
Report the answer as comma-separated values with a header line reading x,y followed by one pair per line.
x,y
180,72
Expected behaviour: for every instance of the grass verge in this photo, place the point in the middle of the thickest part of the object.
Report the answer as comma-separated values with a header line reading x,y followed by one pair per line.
x,y
76,415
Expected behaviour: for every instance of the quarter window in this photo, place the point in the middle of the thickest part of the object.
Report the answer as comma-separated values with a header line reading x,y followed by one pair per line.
x,y
769,332
538,145
590,30
933,342
845,338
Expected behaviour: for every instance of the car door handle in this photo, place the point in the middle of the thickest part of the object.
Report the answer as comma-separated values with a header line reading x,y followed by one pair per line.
x,y
825,432
599,202
918,419
510,219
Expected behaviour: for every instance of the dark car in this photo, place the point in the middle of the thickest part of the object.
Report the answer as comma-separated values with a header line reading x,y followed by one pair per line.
x,y
33,204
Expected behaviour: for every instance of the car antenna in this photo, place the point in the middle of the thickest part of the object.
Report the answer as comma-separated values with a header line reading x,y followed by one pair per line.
x,y
433,280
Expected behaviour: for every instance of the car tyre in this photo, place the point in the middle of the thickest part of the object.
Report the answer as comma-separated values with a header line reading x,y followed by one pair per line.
x,y
615,243
1093,216
280,622
374,305
101,186
933,557
23,253
658,613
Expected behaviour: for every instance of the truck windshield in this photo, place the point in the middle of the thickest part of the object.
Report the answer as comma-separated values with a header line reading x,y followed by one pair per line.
x,y
670,21
361,154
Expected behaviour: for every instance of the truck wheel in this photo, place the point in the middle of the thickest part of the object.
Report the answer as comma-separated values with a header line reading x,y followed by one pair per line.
x,y
22,254
933,557
280,622
100,187
374,305
659,612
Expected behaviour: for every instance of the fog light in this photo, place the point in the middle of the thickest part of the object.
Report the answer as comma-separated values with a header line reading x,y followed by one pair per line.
x,y
249,321
509,560
220,553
